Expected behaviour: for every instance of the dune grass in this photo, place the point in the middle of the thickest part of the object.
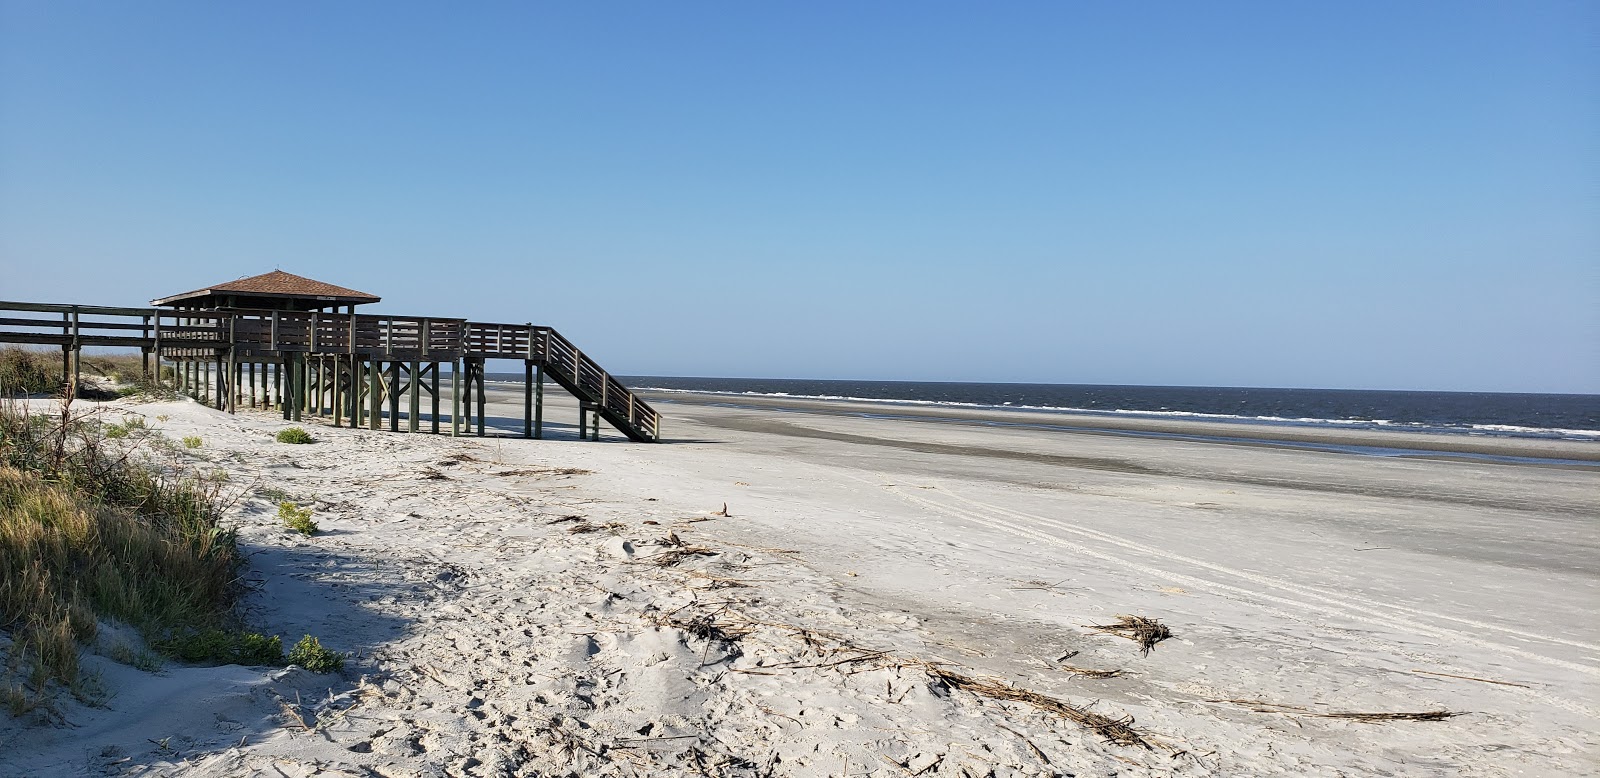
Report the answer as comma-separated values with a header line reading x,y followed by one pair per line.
x,y
38,371
88,531
29,371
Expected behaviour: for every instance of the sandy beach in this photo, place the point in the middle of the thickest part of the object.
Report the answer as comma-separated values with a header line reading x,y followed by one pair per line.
x,y
827,589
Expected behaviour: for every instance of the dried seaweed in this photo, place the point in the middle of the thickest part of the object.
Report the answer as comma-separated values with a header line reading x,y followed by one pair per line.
x,y
1146,632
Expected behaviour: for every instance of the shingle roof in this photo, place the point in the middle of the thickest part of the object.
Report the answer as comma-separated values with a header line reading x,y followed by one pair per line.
x,y
278,284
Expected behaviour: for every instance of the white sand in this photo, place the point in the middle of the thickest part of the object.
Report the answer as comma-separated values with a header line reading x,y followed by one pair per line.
x,y
488,641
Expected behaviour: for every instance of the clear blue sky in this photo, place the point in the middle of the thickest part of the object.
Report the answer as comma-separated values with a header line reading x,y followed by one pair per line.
x,y
1385,195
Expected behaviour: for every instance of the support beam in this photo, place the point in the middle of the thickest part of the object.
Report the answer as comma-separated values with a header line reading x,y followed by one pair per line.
x,y
433,378
338,391
527,398
393,388
538,401
455,398
482,397
375,395
415,395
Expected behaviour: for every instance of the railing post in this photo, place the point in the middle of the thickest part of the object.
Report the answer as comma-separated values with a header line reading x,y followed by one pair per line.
x,y
158,348
77,354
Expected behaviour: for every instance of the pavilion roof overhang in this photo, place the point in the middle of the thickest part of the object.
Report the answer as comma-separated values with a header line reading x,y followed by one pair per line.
x,y
274,285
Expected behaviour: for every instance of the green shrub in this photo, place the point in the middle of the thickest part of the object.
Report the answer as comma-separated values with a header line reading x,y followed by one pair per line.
x,y
298,518
310,654
222,646
295,435
192,441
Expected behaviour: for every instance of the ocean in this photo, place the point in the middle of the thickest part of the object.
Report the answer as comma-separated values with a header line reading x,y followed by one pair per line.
x,y
1560,416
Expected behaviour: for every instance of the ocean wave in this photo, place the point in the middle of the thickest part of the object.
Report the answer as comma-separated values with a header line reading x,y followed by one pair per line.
x,y
1511,428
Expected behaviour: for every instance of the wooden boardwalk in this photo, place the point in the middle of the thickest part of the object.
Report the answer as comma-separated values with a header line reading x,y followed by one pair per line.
x,y
344,365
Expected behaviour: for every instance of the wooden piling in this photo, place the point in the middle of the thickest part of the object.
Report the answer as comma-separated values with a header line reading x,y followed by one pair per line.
x,y
433,382
393,388
414,392
455,398
483,395
374,396
538,401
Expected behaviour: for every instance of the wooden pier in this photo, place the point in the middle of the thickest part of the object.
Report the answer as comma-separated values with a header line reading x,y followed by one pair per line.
x,y
356,370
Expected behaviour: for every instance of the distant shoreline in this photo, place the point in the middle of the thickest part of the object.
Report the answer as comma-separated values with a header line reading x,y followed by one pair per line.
x,y
1396,443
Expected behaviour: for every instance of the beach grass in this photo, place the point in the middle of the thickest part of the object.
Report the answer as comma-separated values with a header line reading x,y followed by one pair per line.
x,y
88,532
28,371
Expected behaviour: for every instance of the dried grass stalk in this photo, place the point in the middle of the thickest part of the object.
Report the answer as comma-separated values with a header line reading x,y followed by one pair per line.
x,y
1119,731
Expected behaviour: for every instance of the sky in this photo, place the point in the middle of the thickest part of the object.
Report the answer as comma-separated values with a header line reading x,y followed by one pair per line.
x,y
1343,195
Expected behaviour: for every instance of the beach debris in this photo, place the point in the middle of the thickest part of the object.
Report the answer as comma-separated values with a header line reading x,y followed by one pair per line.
x,y
677,551
543,471
1146,632
1262,706
1084,672
723,513
430,474
837,653
1115,730
1430,715
584,526
1473,678
565,518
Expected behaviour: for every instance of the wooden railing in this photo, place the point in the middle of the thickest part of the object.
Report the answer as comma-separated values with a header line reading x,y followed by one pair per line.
x,y
564,362
272,334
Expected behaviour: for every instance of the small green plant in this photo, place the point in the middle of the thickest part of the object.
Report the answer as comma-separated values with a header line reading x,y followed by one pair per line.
x,y
224,646
128,425
128,655
295,435
192,441
298,518
310,654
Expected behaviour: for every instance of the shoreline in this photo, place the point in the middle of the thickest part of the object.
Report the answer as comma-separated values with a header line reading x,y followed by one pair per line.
x,y
1388,442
